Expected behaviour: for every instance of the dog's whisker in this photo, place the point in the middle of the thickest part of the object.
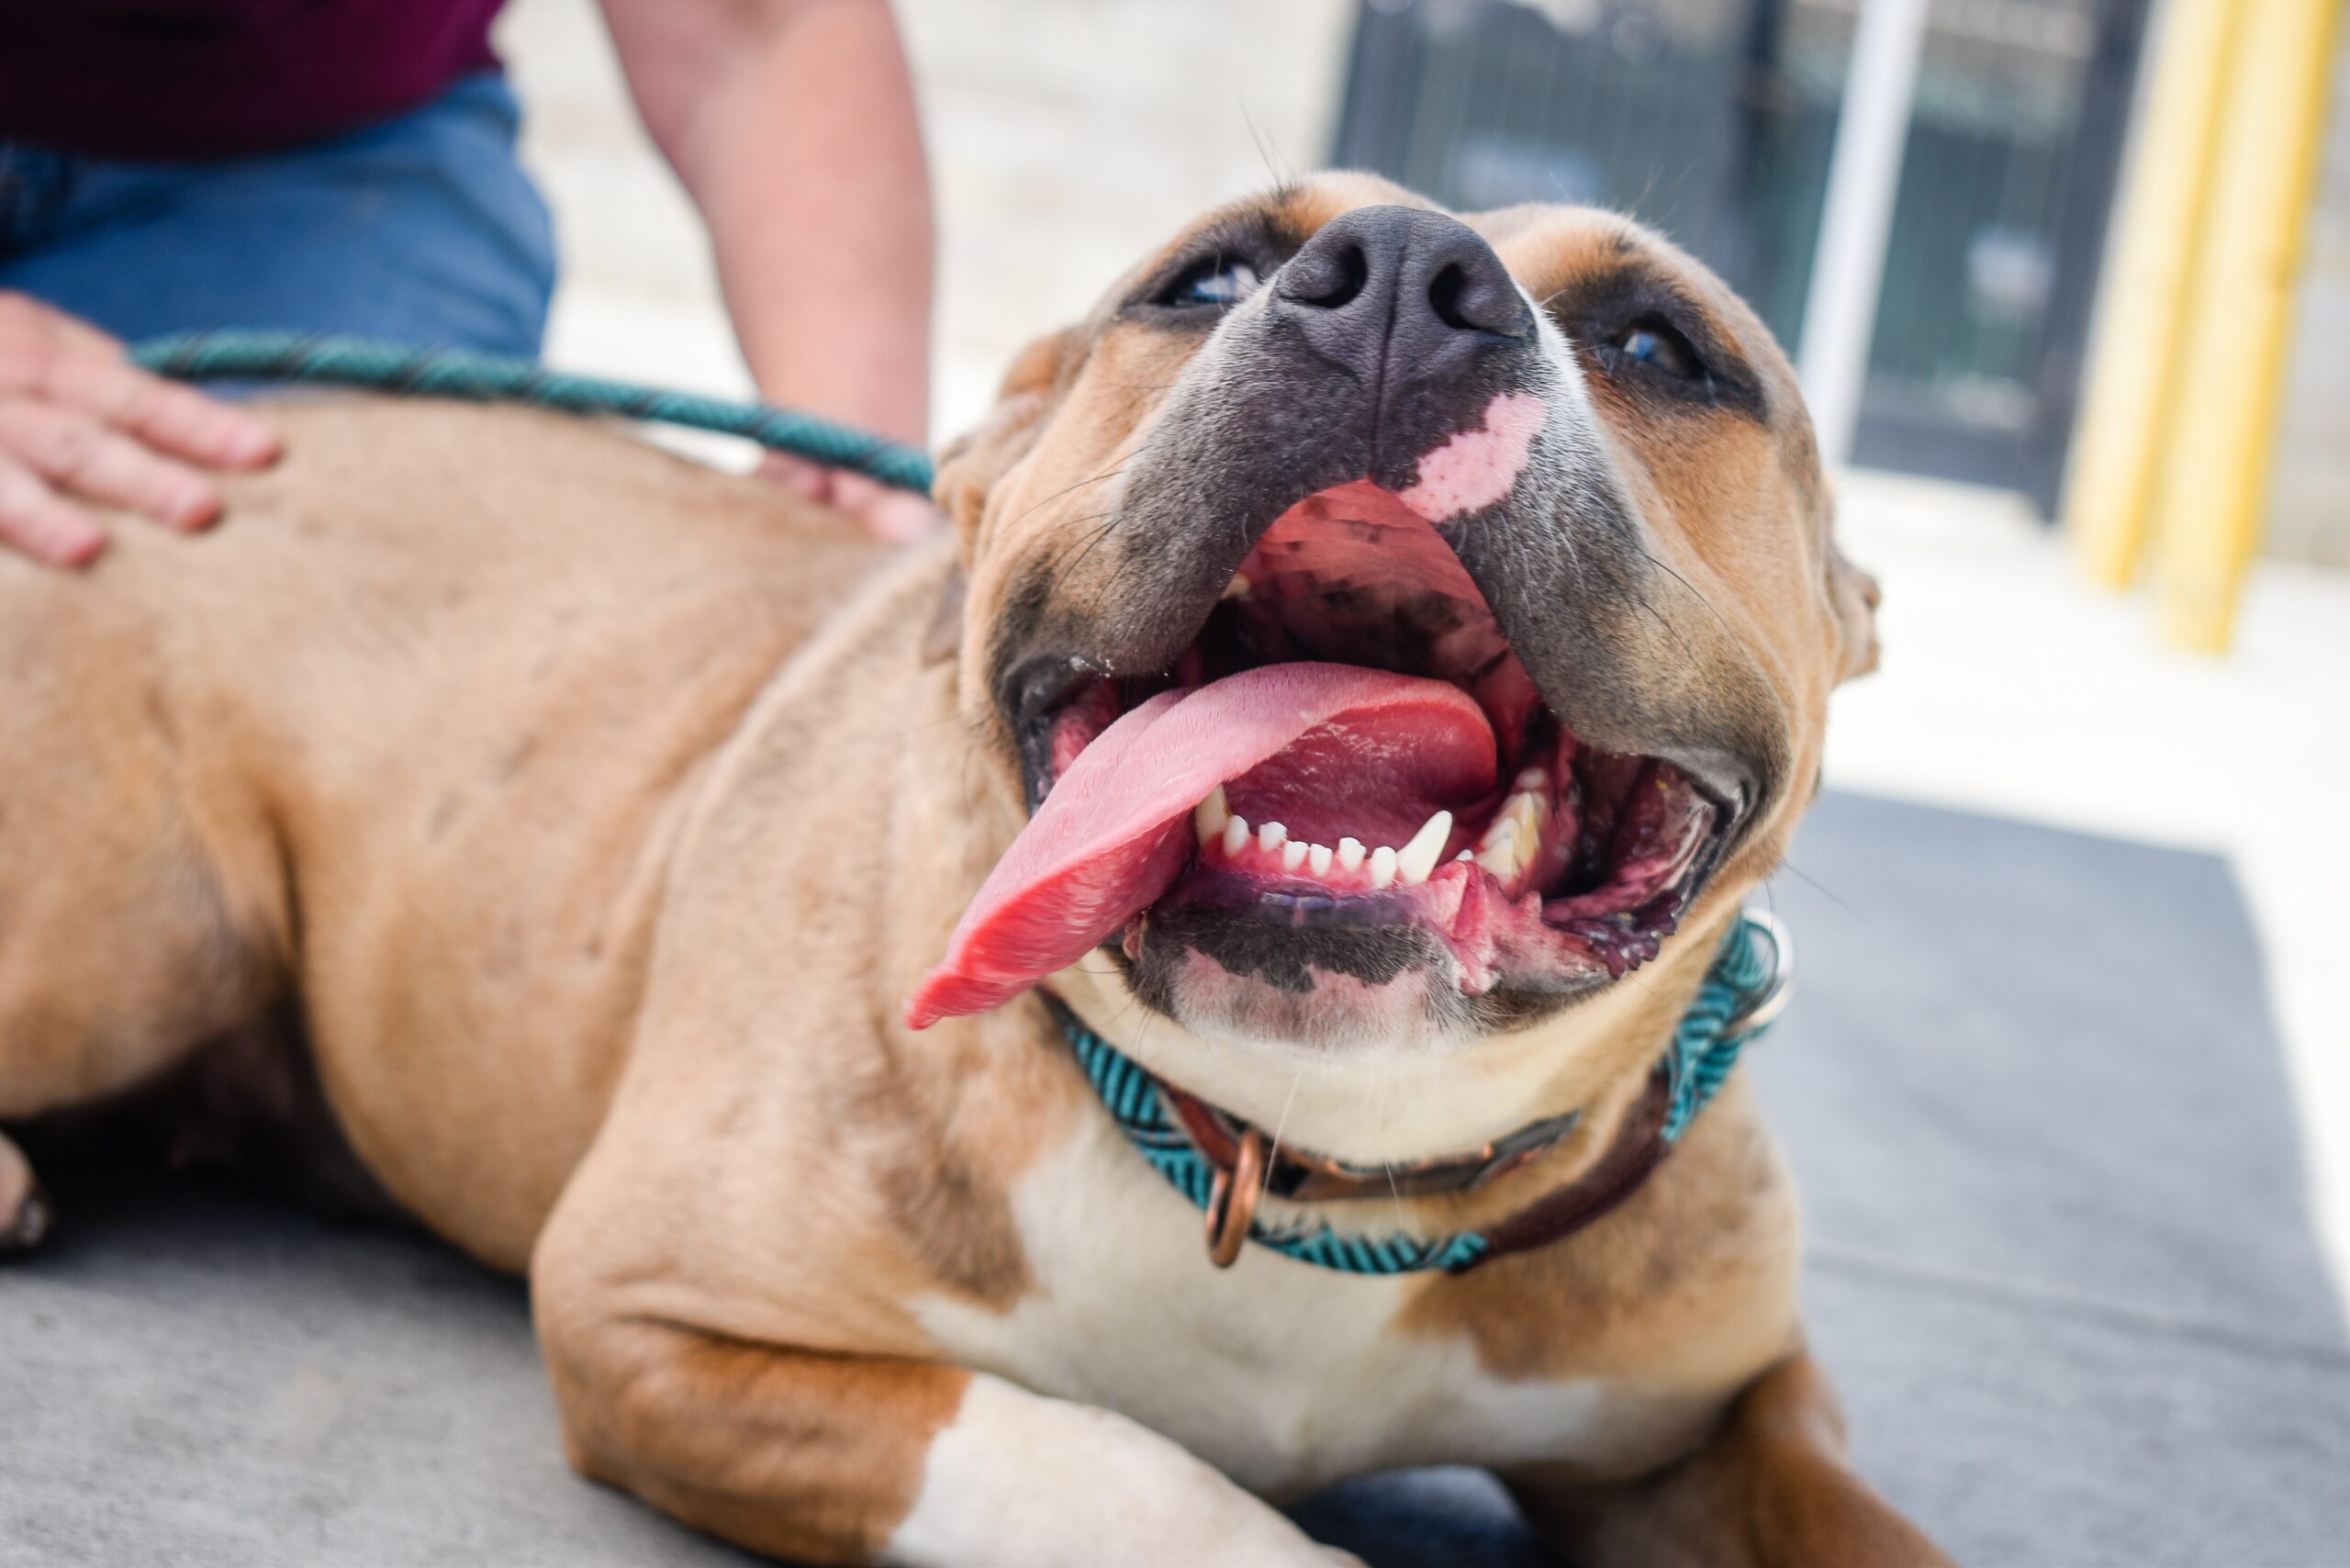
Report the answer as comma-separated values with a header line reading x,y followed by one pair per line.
x,y
1021,516
1281,1122
1285,186
1817,885
1093,539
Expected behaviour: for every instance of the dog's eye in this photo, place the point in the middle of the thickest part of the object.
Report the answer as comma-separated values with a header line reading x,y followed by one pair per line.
x,y
1219,281
1655,344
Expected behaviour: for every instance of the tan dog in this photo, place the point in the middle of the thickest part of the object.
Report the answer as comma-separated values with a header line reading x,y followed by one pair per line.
x,y
601,813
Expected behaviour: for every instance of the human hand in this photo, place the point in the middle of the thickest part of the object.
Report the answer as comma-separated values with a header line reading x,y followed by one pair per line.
x,y
898,517
79,423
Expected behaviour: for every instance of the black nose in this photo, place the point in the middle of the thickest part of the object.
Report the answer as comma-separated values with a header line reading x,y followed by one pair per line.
x,y
1398,293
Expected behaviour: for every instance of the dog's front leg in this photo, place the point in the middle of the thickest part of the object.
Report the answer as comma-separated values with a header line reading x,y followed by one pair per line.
x,y
829,1458
1017,1477
1771,1489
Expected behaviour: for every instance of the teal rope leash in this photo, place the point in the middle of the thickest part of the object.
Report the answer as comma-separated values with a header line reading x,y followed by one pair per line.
x,y
1742,995
487,379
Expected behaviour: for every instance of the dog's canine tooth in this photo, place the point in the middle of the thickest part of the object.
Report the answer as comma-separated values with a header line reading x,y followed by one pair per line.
x,y
1382,866
1272,835
1236,834
1520,816
1351,853
1238,587
1209,815
1294,853
1318,858
1500,852
1418,859
1468,854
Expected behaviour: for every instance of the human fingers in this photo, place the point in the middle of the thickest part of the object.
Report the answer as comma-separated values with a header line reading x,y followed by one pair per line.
x,y
78,455
36,521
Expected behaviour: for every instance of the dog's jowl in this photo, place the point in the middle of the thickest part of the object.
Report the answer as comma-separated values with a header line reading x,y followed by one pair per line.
x,y
1252,1004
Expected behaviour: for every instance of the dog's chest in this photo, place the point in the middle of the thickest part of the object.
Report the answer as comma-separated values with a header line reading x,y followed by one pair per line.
x,y
1282,1375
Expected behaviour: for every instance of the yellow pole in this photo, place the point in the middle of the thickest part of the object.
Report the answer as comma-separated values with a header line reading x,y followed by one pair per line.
x,y
2109,491
2214,480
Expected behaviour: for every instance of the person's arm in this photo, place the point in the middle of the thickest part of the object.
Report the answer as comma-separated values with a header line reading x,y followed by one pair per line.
x,y
793,124
81,425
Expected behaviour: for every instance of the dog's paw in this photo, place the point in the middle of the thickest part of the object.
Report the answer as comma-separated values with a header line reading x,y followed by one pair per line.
x,y
25,1211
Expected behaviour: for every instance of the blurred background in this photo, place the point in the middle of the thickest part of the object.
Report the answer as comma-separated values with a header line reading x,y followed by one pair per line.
x,y
2069,281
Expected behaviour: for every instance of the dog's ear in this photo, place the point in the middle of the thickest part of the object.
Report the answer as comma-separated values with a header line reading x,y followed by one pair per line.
x,y
974,460
1852,596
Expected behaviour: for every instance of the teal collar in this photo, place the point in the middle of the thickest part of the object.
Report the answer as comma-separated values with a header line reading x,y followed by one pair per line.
x,y
1223,1166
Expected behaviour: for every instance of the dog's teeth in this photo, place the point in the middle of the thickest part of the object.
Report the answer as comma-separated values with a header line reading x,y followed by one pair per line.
x,y
1518,825
1351,853
1294,853
1418,859
1501,858
1382,866
1318,859
1236,834
1468,854
1498,851
1238,587
1209,815
1531,779
1272,835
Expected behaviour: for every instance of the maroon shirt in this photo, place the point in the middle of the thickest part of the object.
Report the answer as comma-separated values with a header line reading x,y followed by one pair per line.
x,y
207,78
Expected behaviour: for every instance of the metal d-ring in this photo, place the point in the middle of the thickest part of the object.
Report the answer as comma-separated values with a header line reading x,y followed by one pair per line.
x,y
1231,1197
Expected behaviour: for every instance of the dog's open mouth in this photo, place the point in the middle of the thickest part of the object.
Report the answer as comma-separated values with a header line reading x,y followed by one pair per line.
x,y
1349,742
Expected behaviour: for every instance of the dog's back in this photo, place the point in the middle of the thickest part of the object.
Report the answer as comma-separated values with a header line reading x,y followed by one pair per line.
x,y
486,647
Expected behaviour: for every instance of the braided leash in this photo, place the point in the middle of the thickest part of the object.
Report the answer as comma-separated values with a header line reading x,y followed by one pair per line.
x,y
497,378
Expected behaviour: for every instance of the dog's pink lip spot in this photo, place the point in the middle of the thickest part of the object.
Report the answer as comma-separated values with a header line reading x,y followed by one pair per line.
x,y
1475,468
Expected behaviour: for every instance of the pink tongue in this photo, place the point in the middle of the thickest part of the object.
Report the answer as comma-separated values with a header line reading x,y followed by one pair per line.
x,y
1116,830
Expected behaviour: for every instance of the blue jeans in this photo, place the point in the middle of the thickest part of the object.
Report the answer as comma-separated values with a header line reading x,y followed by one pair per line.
x,y
422,230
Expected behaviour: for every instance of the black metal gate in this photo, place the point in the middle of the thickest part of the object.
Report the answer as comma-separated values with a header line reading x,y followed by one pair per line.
x,y
1714,120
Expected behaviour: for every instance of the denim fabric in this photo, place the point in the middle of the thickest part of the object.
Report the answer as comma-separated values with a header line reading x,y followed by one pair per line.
x,y
423,230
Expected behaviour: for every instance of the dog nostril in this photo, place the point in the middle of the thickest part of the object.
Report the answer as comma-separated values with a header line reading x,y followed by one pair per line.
x,y
1444,297
1329,278
1470,303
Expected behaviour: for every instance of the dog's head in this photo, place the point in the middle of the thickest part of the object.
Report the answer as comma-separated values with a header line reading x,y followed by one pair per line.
x,y
1399,624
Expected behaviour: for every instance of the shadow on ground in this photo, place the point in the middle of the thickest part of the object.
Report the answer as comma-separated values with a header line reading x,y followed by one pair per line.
x,y
2060,1265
